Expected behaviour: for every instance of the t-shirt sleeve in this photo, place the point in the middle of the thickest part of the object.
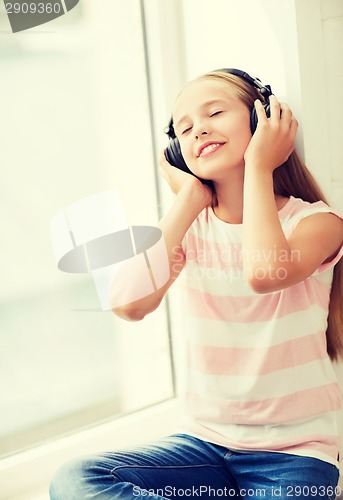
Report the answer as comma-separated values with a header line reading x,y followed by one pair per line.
x,y
312,209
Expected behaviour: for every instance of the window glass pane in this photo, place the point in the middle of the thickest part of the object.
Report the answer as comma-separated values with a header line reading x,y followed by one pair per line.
x,y
75,122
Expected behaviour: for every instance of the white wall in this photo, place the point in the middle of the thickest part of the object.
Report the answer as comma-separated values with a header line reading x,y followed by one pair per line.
x,y
294,45
332,30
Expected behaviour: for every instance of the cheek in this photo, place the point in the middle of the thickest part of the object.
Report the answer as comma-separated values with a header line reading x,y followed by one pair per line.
x,y
188,156
247,138
186,151
241,127
244,137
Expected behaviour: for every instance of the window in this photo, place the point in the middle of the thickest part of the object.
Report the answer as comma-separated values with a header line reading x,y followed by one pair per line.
x,y
75,121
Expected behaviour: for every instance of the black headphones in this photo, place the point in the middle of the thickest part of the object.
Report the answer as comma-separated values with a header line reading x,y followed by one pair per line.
x,y
173,151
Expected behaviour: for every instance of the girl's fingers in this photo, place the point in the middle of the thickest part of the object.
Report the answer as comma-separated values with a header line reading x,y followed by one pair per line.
x,y
260,112
278,110
288,121
161,156
286,113
282,113
275,107
293,127
162,160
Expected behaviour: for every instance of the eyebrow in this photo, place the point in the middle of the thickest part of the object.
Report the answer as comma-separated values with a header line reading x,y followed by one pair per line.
x,y
204,105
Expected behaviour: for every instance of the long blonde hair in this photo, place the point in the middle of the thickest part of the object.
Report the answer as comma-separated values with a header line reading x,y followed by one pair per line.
x,y
293,178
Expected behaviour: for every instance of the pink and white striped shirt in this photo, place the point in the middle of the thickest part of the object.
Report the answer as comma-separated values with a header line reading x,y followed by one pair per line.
x,y
259,377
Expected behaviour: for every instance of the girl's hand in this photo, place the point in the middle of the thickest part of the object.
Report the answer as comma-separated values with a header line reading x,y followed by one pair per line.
x,y
273,141
179,180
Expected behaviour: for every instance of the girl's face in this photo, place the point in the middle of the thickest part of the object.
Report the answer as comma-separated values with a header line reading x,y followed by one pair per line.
x,y
213,128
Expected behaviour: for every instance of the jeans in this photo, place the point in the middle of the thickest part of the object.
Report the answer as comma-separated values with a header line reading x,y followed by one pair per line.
x,y
184,466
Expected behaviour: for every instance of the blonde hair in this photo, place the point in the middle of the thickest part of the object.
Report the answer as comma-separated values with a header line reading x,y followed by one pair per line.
x,y
293,178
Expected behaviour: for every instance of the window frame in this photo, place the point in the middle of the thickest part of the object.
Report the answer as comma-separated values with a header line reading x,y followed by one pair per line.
x,y
30,472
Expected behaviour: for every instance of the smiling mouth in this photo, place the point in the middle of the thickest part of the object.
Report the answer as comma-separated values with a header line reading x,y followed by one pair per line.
x,y
208,150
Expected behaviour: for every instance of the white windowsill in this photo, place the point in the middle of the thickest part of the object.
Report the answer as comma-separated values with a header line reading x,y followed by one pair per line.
x,y
26,476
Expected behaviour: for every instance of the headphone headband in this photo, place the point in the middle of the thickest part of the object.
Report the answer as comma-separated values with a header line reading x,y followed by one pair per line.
x,y
265,91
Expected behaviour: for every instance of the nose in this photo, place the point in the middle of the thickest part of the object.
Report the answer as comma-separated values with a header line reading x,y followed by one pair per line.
x,y
199,134
200,129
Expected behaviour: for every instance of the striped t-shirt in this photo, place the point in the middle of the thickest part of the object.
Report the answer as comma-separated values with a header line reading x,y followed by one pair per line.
x,y
258,373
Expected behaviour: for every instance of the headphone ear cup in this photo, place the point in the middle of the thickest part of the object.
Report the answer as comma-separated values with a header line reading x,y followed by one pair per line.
x,y
254,119
174,156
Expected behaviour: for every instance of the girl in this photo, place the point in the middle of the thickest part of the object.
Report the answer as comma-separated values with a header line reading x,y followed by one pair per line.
x,y
257,246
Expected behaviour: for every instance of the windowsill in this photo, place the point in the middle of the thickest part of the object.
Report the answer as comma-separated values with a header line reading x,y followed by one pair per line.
x,y
31,471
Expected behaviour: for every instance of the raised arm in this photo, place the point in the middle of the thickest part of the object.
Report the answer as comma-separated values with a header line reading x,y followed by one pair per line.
x,y
191,198
316,238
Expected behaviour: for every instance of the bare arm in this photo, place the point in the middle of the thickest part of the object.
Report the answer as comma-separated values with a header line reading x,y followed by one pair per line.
x,y
191,198
272,262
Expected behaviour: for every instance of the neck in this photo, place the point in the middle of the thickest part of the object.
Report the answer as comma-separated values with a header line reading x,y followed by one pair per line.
x,y
229,194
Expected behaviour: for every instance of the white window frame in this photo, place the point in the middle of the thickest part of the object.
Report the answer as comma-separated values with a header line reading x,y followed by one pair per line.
x,y
29,473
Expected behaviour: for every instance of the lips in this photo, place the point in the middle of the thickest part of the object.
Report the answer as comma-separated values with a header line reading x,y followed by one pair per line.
x,y
208,148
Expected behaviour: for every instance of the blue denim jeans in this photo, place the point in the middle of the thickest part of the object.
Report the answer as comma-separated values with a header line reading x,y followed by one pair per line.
x,y
184,466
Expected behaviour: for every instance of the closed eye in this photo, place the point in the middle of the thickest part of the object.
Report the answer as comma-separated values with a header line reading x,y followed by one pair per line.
x,y
216,113
186,130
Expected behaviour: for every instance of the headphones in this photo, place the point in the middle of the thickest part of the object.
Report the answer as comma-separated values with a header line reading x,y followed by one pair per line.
x,y
173,150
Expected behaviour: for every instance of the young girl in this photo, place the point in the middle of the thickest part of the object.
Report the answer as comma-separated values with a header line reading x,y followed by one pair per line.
x,y
257,246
